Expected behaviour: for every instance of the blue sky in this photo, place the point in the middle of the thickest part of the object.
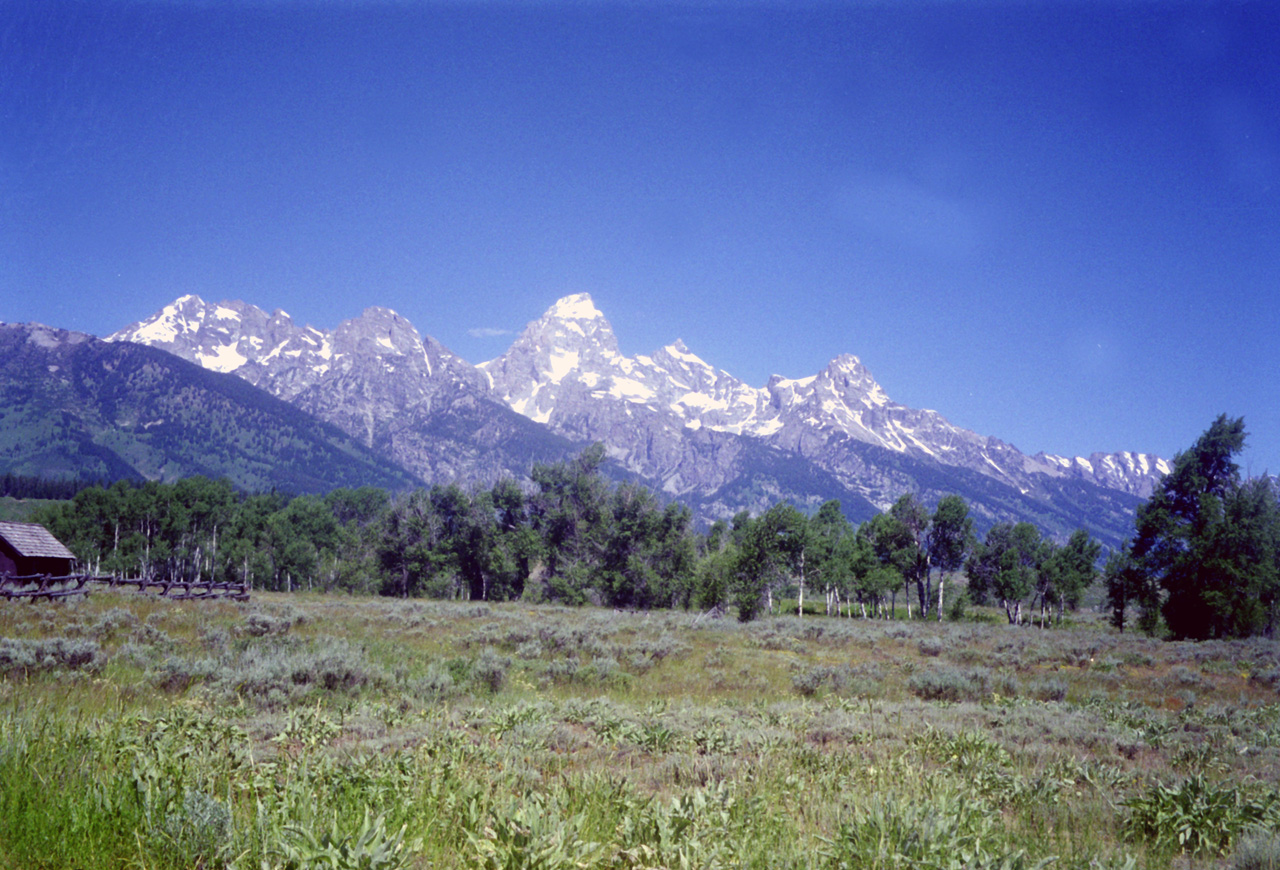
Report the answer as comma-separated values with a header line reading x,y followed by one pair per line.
x,y
1057,223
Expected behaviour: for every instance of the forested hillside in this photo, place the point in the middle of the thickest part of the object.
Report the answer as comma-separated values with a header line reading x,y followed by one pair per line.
x,y
72,406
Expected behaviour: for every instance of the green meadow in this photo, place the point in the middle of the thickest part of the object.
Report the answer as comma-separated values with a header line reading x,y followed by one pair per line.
x,y
314,731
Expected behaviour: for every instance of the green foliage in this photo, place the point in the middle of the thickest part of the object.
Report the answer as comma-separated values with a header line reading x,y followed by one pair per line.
x,y
1197,816
369,847
533,836
1005,566
944,832
1211,543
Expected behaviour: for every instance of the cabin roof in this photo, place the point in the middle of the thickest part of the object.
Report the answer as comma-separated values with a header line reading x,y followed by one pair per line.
x,y
34,541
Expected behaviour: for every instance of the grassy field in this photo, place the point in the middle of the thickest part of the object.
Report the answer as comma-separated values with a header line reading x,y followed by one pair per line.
x,y
301,732
20,510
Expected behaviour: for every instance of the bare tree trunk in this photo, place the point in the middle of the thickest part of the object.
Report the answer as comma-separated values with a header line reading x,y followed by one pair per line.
x,y
800,604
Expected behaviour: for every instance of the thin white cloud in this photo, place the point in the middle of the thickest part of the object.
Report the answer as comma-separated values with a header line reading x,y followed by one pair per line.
x,y
487,332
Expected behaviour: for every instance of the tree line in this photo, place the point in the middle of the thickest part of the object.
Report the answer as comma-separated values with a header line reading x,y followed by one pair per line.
x,y
1204,560
569,535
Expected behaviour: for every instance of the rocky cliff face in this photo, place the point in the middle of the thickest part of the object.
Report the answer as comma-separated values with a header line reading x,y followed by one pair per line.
x,y
684,426
375,377
565,370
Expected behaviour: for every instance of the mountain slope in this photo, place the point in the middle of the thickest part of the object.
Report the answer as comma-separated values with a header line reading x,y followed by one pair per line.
x,y
74,406
565,370
673,420
374,377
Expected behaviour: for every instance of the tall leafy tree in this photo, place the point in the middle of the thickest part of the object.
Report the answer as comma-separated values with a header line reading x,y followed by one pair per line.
x,y
898,537
568,512
1065,573
1208,541
770,549
950,539
829,542
1005,566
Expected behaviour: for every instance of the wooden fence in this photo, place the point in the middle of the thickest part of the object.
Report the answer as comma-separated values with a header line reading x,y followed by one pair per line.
x,y
48,587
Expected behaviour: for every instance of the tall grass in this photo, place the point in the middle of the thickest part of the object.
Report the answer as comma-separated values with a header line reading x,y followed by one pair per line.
x,y
337,732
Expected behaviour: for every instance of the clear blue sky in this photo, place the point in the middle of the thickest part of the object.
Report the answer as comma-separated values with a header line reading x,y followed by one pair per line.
x,y
1057,223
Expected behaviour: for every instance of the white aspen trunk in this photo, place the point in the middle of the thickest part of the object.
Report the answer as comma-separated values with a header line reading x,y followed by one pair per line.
x,y
941,580
800,604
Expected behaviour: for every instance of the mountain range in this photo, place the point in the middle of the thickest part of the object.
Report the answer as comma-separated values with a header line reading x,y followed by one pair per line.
x,y
669,418
74,406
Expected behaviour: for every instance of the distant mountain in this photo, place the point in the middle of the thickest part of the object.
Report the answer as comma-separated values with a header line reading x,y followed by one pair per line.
x,y
565,370
374,377
687,428
73,406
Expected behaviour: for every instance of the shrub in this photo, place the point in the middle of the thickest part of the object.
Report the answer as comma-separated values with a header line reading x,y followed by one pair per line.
x,y
199,831
20,657
489,671
1051,689
808,682
435,684
177,674
1258,850
111,621
931,646
948,684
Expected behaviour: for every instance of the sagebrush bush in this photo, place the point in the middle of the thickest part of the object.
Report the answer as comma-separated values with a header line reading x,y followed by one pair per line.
x,y
931,646
199,830
19,656
489,670
1257,850
112,621
1051,689
948,684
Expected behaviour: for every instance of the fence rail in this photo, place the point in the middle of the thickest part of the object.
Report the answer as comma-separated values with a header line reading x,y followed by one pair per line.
x,y
49,587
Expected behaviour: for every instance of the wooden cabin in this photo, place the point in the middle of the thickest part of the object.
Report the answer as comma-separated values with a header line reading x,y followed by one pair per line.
x,y
28,548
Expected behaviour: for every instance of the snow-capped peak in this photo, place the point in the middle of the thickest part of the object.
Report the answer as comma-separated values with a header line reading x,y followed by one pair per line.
x,y
578,306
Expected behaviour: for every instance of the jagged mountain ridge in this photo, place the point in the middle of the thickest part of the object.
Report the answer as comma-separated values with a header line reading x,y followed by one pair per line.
x,y
74,406
684,426
565,370
374,376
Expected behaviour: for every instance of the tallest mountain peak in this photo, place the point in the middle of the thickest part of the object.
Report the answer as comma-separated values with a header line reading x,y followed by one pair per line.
x,y
578,306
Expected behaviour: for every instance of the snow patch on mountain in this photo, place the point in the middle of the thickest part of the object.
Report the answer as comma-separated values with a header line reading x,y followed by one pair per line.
x,y
223,359
664,415
576,307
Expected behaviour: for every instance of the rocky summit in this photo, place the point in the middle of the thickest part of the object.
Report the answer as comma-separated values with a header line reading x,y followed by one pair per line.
x,y
670,418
